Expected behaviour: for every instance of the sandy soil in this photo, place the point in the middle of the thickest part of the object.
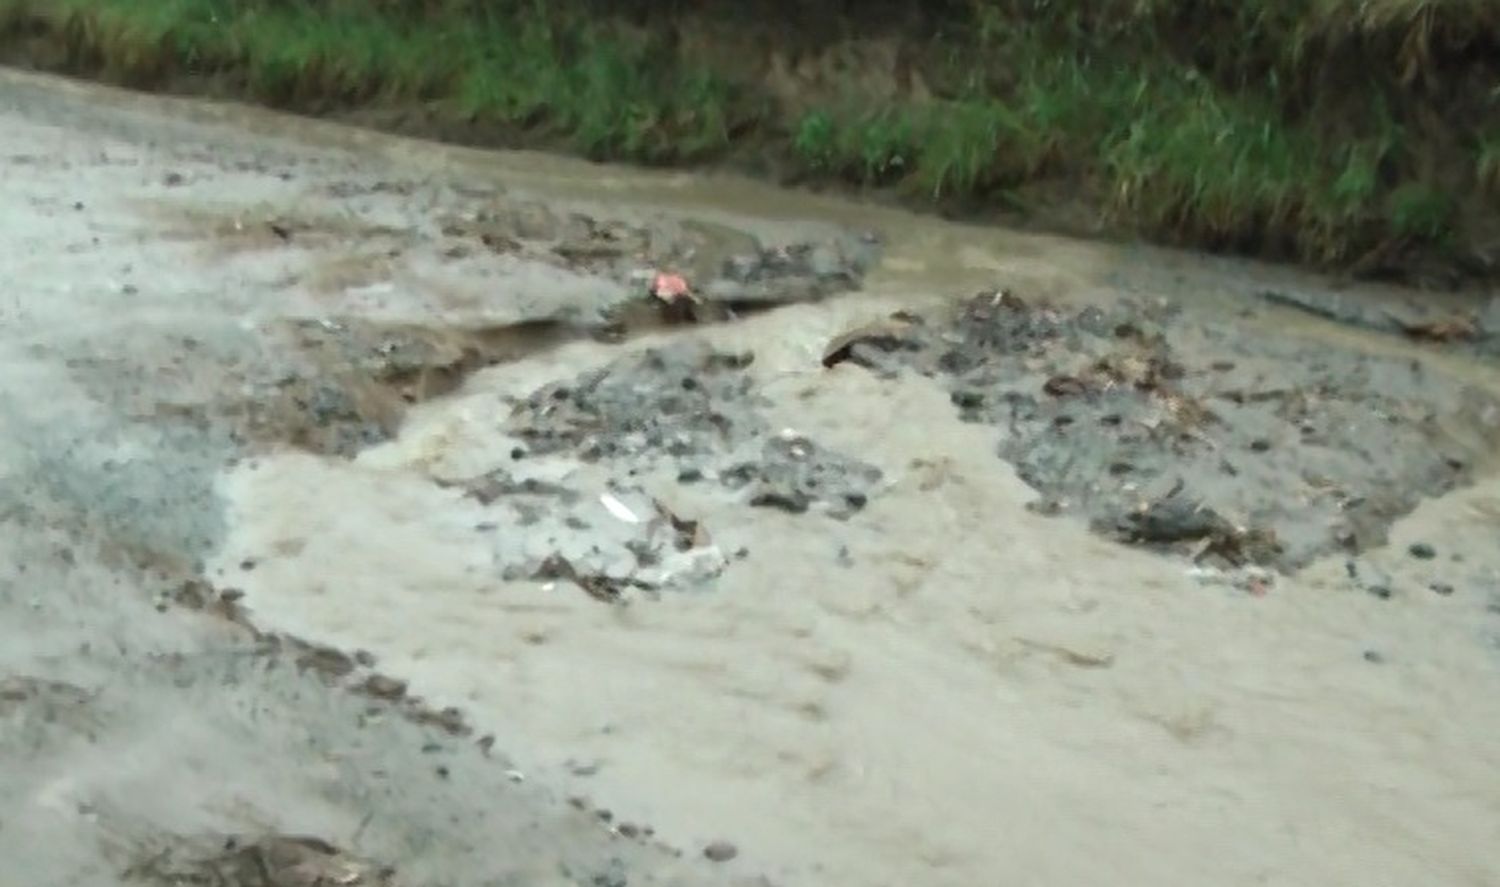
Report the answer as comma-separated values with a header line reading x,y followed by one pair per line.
x,y
349,494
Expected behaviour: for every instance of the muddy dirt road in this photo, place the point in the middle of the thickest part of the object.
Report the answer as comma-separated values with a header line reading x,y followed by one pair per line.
x,y
365,520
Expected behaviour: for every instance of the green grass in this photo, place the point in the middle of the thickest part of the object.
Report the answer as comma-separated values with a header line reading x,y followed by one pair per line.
x,y
1197,121
611,97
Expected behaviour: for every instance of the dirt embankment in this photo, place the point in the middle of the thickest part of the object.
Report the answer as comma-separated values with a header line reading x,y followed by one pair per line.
x,y
1350,135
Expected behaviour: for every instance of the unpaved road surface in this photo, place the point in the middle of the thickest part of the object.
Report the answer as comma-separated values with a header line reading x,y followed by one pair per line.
x,y
365,523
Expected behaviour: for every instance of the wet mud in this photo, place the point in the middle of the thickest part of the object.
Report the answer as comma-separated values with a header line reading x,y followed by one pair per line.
x,y
338,384
407,652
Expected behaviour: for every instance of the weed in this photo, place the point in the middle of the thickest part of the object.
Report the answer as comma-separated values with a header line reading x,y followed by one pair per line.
x,y
1420,212
814,141
1260,125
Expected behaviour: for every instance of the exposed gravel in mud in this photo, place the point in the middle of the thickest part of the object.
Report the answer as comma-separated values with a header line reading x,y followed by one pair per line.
x,y
689,410
1165,429
697,408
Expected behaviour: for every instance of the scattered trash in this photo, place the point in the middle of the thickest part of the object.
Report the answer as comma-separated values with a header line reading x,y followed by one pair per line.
x,y
671,288
617,508
1254,581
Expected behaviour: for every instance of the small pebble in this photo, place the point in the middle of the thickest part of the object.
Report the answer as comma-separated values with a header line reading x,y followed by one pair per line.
x,y
720,851
1441,588
1422,551
383,687
1374,656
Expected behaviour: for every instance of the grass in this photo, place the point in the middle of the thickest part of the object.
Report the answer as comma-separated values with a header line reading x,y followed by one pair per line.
x,y
1207,122
612,98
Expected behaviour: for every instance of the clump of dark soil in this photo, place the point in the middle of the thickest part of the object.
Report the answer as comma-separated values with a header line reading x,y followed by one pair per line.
x,y
697,409
676,401
1169,431
270,861
347,384
726,267
792,473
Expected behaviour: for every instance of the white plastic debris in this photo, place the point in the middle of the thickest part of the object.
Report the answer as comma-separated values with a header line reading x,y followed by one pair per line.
x,y
619,509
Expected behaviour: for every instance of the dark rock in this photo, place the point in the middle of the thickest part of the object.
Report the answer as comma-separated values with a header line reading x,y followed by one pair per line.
x,y
1422,551
720,851
886,335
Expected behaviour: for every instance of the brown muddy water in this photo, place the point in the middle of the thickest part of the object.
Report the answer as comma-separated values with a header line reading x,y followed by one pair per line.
x,y
367,523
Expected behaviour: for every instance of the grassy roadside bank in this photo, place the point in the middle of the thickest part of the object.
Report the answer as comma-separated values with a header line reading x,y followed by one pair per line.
x,y
1361,134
